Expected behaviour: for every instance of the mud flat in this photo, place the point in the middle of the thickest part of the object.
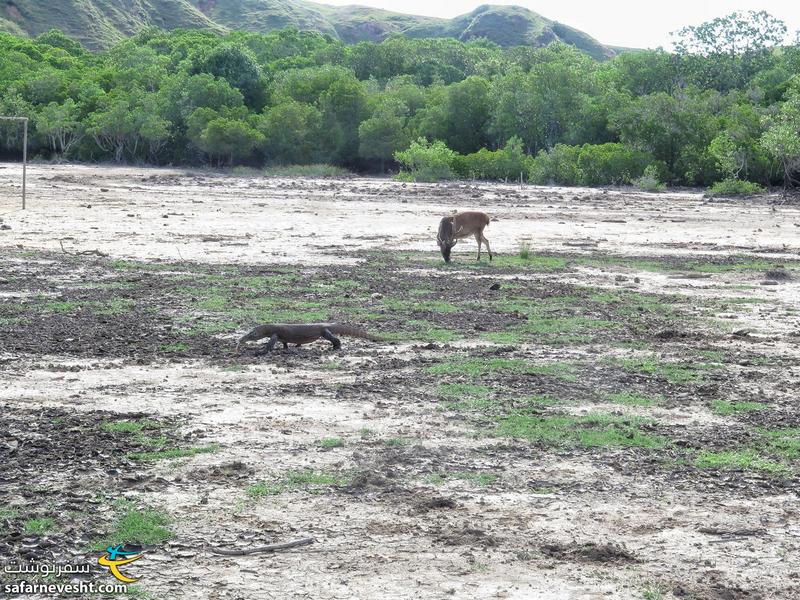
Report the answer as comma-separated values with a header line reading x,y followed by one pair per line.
x,y
617,420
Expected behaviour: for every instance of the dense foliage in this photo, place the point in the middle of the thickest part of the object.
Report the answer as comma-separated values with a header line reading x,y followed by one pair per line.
x,y
441,107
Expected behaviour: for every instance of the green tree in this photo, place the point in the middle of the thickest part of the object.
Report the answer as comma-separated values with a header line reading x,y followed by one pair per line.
x,y
734,34
292,132
228,140
60,124
344,107
782,138
236,64
384,133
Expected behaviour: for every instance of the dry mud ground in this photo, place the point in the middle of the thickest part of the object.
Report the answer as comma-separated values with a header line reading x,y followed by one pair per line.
x,y
617,420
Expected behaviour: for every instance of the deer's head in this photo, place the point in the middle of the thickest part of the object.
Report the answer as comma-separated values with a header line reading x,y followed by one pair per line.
x,y
446,237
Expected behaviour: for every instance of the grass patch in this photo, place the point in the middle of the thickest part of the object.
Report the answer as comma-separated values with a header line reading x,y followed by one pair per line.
x,y
423,330
460,390
61,307
476,367
596,430
782,442
532,262
8,513
329,443
714,356
308,480
144,526
42,525
653,591
502,337
173,453
129,426
725,408
672,372
117,306
396,442
206,327
177,347
747,460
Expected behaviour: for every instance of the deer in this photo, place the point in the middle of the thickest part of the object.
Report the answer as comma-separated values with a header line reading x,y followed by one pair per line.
x,y
462,225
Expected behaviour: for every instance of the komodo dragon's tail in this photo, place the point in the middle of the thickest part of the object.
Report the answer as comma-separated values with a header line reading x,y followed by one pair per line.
x,y
351,331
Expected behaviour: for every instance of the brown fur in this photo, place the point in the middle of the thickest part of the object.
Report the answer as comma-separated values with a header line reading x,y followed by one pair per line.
x,y
460,226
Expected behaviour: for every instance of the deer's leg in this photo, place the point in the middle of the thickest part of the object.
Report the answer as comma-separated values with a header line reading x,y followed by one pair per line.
x,y
488,249
332,339
478,239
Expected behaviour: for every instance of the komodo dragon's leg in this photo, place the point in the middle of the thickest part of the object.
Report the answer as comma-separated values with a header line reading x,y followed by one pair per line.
x,y
271,343
332,339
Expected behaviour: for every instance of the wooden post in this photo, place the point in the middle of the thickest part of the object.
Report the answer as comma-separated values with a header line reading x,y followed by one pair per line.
x,y
24,159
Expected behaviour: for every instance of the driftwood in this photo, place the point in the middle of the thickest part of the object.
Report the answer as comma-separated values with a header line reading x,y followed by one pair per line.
x,y
263,549
81,252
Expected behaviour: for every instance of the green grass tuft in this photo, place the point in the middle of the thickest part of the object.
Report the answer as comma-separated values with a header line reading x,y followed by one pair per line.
x,y
137,526
331,443
174,453
43,525
309,480
725,408
596,430
738,459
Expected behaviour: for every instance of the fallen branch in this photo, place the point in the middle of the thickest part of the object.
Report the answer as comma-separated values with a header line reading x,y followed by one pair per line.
x,y
262,549
81,252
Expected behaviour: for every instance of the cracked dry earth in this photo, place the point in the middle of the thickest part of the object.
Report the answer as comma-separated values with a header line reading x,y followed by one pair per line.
x,y
617,420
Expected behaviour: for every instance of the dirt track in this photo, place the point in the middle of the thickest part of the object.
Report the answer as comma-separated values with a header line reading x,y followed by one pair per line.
x,y
617,420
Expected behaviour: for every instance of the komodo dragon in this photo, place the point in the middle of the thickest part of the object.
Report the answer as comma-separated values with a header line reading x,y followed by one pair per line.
x,y
303,334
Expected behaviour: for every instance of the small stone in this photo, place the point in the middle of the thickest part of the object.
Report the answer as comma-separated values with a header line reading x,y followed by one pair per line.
x,y
377,296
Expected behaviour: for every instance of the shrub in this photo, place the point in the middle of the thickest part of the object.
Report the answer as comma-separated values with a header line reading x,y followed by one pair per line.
x,y
650,180
613,164
310,171
600,164
735,187
428,162
506,164
559,165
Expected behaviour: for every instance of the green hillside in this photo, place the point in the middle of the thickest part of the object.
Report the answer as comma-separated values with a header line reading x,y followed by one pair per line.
x,y
99,23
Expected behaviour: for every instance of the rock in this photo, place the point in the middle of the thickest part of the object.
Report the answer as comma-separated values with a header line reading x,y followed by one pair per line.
x,y
779,274
377,296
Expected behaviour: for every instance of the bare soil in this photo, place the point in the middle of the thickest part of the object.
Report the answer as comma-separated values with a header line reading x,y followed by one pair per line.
x,y
615,419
